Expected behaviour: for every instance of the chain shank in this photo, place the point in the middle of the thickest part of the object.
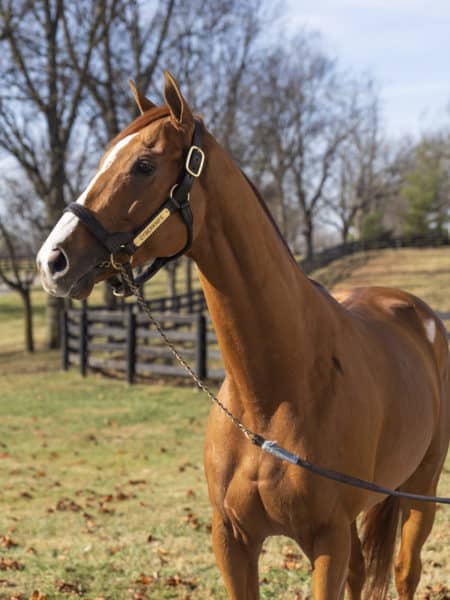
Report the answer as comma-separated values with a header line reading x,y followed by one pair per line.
x,y
141,301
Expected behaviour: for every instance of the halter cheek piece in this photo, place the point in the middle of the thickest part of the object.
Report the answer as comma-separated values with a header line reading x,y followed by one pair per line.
x,y
123,242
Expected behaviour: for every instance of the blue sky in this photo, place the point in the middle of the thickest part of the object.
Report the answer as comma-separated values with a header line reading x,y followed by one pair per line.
x,y
404,44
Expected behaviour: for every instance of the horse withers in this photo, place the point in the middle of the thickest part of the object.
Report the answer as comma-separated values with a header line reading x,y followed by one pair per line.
x,y
360,386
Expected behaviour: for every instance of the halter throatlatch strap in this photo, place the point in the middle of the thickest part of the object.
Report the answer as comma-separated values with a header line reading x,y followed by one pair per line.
x,y
127,243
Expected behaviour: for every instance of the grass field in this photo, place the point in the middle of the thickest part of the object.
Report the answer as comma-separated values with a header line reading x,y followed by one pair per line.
x,y
102,486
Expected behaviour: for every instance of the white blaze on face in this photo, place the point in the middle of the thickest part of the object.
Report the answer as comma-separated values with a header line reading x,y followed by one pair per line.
x,y
67,223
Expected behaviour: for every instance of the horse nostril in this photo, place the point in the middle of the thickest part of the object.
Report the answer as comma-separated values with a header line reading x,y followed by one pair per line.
x,y
57,263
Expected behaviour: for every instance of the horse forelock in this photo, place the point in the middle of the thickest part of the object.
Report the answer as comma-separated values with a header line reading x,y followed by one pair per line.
x,y
142,121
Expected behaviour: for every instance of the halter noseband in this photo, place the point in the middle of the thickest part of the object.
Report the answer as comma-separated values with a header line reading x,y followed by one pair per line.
x,y
123,242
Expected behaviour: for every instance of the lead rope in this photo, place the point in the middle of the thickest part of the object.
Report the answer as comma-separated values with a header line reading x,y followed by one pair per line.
x,y
268,446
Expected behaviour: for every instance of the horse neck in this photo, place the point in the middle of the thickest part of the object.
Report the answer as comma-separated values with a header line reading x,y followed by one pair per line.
x,y
265,311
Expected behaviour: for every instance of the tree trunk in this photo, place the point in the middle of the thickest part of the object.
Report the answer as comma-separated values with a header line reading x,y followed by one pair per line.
x,y
345,230
54,308
309,241
26,298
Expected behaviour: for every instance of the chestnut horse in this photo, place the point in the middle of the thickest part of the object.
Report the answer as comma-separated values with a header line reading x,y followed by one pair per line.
x,y
359,386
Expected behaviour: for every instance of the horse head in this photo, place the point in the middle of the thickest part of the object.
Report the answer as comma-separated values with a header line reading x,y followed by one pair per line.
x,y
138,205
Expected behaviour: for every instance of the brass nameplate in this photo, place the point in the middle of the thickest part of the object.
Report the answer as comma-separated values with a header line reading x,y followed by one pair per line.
x,y
151,227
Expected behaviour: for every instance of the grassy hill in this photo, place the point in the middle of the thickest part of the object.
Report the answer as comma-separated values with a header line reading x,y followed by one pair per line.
x,y
103,492
424,272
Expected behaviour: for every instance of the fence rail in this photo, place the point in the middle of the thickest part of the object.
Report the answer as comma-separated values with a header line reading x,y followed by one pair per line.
x,y
325,257
123,342
191,302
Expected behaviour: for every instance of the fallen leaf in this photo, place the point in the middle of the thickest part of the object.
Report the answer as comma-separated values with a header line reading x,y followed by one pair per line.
x,y
106,510
122,496
36,595
7,542
69,588
144,579
10,564
66,504
176,580
192,520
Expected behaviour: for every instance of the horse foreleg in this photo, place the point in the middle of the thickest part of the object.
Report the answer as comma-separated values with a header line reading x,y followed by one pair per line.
x,y
331,555
237,560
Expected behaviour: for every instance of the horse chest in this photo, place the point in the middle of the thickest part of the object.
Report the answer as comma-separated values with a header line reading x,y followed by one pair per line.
x,y
260,497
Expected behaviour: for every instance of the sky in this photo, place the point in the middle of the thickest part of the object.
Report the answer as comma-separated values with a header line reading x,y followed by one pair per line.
x,y
403,44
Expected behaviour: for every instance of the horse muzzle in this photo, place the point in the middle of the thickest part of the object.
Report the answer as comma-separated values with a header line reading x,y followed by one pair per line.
x,y
66,262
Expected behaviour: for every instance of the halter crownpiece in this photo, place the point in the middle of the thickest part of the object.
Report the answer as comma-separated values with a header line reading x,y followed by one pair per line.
x,y
122,242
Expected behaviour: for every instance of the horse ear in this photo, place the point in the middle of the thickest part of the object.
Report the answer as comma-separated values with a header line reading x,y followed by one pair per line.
x,y
142,102
177,105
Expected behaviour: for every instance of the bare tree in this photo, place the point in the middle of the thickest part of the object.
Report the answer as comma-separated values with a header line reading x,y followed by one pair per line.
x,y
359,181
40,99
309,110
18,273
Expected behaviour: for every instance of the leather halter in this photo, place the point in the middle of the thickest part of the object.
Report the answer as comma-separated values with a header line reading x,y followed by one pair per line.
x,y
123,242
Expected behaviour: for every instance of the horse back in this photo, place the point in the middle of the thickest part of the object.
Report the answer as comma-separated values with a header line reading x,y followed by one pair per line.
x,y
405,313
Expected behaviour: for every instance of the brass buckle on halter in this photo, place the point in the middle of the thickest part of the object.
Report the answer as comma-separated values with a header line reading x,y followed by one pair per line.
x,y
193,151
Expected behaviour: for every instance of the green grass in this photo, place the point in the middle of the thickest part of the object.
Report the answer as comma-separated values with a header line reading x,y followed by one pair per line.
x,y
102,485
424,272
103,490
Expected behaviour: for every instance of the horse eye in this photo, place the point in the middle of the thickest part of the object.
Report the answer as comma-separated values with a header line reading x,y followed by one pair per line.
x,y
143,167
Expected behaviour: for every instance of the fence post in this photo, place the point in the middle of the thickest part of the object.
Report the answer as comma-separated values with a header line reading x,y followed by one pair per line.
x,y
188,266
201,347
131,344
83,341
64,341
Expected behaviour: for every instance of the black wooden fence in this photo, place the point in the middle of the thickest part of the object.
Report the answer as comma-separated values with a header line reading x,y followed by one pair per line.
x,y
123,341
190,302
328,255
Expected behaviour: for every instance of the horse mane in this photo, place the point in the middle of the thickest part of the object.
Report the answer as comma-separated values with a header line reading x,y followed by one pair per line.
x,y
269,215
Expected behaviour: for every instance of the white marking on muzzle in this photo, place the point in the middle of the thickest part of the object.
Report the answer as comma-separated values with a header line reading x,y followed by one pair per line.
x,y
67,223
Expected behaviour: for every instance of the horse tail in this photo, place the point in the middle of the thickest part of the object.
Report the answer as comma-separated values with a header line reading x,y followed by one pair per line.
x,y
380,525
